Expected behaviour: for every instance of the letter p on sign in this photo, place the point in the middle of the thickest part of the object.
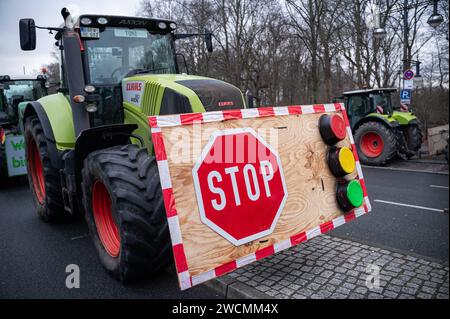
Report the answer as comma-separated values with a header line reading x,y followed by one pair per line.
x,y
240,196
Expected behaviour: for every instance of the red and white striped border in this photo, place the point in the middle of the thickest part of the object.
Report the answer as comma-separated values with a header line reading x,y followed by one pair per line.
x,y
156,122
404,107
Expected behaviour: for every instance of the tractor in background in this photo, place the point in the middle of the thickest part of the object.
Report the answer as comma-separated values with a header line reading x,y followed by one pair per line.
x,y
14,91
381,132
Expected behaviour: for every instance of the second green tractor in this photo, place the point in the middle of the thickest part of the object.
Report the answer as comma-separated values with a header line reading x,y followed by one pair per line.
x,y
381,132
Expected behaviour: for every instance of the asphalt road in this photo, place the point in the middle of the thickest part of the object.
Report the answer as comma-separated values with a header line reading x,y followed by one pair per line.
x,y
34,255
416,230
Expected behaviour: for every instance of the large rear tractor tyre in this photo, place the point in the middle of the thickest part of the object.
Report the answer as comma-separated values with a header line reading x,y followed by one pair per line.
x,y
376,143
125,212
43,178
413,137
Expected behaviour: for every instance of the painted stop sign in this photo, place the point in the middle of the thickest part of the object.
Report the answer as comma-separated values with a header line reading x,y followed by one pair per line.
x,y
240,186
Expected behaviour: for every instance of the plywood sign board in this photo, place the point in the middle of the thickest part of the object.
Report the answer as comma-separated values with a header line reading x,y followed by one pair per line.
x,y
241,185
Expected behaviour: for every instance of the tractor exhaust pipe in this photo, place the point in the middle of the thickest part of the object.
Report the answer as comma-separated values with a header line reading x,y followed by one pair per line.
x,y
68,22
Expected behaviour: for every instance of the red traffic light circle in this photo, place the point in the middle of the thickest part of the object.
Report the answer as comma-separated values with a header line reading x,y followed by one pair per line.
x,y
332,128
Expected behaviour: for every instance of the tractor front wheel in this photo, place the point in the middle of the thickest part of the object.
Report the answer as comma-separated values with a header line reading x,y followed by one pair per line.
x,y
376,143
125,211
43,177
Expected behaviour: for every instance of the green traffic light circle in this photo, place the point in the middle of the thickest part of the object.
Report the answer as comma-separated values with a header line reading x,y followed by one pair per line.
x,y
355,193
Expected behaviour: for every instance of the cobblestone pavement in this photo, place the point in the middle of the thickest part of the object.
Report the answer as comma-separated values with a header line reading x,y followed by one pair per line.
x,y
331,267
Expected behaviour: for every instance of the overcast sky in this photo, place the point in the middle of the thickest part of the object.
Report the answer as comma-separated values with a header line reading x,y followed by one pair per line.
x,y
45,13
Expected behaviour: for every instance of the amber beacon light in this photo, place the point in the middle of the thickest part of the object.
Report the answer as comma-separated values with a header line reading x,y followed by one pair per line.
x,y
341,161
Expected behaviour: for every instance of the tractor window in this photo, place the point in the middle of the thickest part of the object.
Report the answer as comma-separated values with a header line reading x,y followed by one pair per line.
x,y
120,50
383,100
18,91
26,90
357,105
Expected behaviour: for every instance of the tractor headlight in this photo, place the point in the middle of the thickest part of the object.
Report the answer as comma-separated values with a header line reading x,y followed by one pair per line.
x,y
173,26
86,21
102,21
89,88
162,25
91,108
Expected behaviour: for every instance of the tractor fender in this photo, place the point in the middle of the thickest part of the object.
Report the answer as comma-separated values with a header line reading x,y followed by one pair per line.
x,y
36,109
405,118
57,122
98,138
375,118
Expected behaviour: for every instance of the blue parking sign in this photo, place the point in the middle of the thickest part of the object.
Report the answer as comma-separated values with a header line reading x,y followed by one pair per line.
x,y
405,96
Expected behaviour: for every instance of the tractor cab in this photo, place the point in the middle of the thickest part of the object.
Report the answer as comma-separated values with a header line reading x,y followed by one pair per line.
x,y
14,90
113,51
108,61
359,103
112,48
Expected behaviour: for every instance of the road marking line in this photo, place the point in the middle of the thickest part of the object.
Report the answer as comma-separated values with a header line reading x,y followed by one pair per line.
x,y
79,237
404,170
438,186
408,205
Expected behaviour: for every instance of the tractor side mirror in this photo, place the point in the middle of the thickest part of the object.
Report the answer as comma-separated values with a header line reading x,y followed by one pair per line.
x,y
27,34
208,40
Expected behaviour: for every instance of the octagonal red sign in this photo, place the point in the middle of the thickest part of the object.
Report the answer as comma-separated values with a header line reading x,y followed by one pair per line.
x,y
240,186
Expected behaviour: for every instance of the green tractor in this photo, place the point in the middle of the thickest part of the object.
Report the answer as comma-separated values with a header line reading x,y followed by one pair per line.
x,y
381,132
89,148
14,91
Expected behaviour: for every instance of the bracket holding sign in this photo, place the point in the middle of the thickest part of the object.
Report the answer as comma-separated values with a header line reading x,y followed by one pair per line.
x,y
234,192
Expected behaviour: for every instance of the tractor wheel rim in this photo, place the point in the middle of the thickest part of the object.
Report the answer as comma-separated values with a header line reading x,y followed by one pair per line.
x,y
372,144
36,171
107,229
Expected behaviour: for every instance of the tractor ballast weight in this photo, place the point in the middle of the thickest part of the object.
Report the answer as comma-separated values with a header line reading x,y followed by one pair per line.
x,y
93,149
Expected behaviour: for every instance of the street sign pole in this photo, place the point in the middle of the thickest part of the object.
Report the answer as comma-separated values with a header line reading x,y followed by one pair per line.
x,y
406,92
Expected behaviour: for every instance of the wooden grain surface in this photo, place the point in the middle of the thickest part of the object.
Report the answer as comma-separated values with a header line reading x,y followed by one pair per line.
x,y
310,184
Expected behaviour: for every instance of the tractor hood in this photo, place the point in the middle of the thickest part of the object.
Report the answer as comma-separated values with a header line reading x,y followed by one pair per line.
x,y
163,94
404,118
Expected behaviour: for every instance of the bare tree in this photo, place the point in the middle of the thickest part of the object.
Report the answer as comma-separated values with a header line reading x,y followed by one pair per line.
x,y
306,51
